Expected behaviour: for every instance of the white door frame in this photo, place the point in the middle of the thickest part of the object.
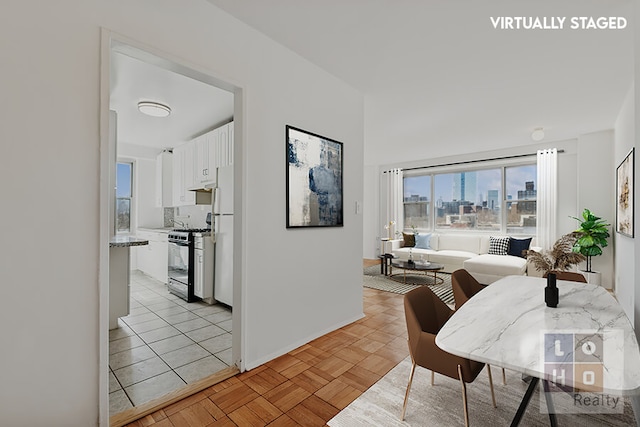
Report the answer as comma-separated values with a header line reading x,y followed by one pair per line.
x,y
113,41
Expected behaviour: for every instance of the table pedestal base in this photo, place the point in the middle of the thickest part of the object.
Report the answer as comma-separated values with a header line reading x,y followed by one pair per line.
x,y
527,397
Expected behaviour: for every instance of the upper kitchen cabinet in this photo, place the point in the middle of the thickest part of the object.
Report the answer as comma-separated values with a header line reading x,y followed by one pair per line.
x,y
195,162
214,149
164,179
183,176
205,167
224,150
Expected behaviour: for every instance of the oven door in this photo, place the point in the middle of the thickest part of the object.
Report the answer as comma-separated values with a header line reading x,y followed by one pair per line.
x,y
178,263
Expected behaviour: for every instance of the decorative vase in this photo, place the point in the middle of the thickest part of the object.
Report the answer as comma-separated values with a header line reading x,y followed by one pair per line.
x,y
551,291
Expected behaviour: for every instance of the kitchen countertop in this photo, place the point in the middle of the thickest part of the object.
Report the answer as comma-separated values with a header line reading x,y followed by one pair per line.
x,y
127,241
156,230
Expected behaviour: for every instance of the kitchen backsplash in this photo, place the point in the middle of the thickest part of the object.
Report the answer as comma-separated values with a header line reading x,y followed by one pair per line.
x,y
168,217
192,216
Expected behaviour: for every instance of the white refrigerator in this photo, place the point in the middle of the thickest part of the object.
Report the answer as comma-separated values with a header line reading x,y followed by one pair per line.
x,y
223,236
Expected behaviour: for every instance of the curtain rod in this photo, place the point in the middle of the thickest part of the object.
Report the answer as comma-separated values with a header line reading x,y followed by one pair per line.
x,y
471,161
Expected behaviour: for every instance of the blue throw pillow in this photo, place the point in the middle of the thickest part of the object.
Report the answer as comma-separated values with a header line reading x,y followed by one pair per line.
x,y
423,241
517,246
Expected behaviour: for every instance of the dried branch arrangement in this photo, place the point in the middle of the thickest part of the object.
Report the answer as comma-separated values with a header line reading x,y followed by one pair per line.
x,y
561,257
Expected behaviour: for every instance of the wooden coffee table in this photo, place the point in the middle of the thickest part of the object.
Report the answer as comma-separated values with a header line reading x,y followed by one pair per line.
x,y
426,267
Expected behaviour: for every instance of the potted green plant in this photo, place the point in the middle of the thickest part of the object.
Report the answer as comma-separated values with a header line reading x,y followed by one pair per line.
x,y
592,236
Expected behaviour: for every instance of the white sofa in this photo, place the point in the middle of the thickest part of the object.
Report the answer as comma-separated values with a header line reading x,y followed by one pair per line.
x,y
468,251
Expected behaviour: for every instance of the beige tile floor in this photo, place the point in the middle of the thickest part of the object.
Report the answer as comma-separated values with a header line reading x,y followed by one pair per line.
x,y
163,344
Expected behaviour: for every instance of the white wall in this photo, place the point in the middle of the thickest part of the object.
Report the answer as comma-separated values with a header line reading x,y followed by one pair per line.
x,y
623,246
371,242
596,179
298,284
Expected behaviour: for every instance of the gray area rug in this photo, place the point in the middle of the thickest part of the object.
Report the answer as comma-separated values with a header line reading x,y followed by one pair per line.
x,y
441,404
373,279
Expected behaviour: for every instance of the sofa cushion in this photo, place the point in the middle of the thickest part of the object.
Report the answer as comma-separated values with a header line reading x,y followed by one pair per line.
x,y
498,245
459,242
423,241
450,256
499,265
516,246
409,240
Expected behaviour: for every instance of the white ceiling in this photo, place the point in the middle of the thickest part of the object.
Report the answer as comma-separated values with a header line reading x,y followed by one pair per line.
x,y
438,79
196,107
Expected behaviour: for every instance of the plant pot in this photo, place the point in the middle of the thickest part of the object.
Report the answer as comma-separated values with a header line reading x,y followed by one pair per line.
x,y
593,277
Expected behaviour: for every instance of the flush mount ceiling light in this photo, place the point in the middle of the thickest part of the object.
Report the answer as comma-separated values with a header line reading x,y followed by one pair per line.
x,y
154,109
537,134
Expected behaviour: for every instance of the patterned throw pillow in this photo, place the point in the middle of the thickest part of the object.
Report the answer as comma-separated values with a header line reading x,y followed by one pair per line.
x,y
409,240
498,245
517,246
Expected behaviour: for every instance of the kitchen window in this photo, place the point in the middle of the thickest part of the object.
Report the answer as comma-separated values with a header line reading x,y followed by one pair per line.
x,y
124,191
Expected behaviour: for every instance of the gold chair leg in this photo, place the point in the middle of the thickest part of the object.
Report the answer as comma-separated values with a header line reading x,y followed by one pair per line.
x,y
504,377
433,376
406,395
493,396
464,397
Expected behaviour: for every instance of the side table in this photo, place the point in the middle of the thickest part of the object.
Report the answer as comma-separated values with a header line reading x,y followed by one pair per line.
x,y
385,263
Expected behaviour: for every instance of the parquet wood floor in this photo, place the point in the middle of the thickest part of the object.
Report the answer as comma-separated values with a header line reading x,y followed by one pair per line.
x,y
309,385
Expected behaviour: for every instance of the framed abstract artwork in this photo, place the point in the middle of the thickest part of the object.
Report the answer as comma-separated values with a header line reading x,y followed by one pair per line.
x,y
314,180
624,196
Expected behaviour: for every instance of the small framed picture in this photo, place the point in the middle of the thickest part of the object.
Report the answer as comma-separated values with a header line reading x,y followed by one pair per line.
x,y
314,180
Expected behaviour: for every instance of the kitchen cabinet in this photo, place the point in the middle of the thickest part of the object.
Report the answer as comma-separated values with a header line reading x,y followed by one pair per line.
x,y
205,167
224,146
195,163
164,179
230,141
119,289
152,259
183,177
203,254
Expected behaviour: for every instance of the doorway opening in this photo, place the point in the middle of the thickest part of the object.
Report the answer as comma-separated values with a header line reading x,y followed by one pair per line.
x,y
169,341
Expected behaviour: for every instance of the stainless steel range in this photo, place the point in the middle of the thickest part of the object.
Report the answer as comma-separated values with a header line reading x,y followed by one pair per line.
x,y
189,264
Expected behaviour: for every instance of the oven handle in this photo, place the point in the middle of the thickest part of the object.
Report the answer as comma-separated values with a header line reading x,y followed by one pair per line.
x,y
179,242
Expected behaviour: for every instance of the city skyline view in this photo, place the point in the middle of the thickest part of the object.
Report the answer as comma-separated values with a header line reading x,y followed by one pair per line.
x,y
473,200
485,180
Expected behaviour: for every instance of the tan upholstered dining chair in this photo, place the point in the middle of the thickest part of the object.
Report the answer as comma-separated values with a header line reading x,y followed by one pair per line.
x,y
465,286
568,275
426,314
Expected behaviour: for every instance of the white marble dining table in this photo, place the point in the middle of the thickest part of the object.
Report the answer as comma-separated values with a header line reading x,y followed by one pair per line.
x,y
508,324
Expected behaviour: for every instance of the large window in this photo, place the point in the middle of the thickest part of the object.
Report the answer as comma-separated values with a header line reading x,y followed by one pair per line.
x,y
124,172
468,200
520,186
500,199
417,190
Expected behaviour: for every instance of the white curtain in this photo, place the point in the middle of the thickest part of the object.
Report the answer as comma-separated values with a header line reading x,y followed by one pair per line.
x,y
547,197
394,197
